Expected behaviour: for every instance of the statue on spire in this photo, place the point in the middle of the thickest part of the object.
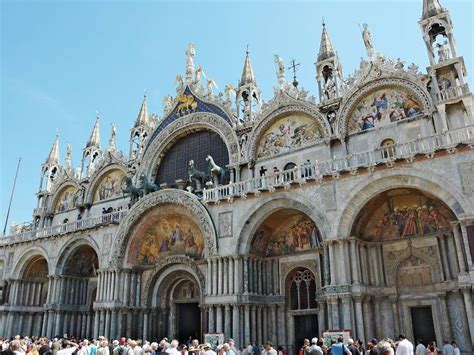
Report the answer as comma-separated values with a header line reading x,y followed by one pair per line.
x,y
367,37
68,159
113,134
190,52
280,71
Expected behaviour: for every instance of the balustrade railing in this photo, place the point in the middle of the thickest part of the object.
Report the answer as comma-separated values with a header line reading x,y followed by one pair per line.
x,y
452,92
350,163
65,228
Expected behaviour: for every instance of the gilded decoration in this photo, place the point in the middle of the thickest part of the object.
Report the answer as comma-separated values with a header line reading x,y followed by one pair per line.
x,y
66,199
285,232
403,213
110,186
289,132
382,107
166,231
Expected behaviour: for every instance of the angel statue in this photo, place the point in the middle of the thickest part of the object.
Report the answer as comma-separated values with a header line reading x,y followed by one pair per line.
x,y
229,91
190,52
367,37
167,104
180,82
280,70
113,134
210,85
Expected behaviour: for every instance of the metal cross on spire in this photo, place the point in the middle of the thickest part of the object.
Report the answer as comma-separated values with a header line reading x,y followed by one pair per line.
x,y
294,67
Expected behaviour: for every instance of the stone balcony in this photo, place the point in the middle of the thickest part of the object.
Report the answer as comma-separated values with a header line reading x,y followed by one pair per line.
x,y
70,227
453,92
388,155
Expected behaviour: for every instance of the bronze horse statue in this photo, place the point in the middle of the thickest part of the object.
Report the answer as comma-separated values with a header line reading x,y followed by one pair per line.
x,y
134,192
196,175
148,186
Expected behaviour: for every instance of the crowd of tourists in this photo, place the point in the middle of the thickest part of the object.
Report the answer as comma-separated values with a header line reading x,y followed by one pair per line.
x,y
102,346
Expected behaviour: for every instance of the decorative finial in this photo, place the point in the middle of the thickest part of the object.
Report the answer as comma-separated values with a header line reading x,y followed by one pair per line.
x,y
294,67
247,51
144,92
322,18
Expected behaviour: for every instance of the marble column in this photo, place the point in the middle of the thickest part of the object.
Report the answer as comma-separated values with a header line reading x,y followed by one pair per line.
x,y
258,311
126,289
212,320
282,325
332,262
395,313
214,276
322,315
442,247
445,322
459,247
253,323
219,276
368,318
236,326
465,240
96,325
237,274
354,262
359,318
225,276
273,321
145,325
467,295
334,312
219,319
346,311
227,321
231,275
209,278
246,276
247,324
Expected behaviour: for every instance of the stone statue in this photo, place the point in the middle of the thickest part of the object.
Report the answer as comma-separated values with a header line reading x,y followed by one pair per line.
x,y
148,186
190,52
195,175
210,85
113,134
180,84
229,91
443,52
68,159
330,88
167,104
367,37
217,173
280,70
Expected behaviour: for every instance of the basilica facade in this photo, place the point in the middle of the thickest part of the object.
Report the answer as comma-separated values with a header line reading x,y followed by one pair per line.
x,y
265,220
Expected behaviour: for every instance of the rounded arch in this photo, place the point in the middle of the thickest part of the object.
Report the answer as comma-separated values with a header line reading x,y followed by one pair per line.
x,y
272,117
433,268
398,178
164,197
300,289
26,256
272,204
59,192
183,126
98,176
71,247
348,106
169,271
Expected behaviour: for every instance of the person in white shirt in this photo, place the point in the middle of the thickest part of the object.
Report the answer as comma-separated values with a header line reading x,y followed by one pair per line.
x,y
268,346
456,349
173,349
420,348
68,348
405,347
314,349
207,350
447,348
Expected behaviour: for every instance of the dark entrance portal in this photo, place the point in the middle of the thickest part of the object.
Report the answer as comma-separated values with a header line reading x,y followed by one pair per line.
x,y
306,327
189,321
422,323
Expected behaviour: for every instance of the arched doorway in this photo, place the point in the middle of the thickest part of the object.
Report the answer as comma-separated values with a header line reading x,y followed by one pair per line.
x,y
409,246
176,305
79,284
301,301
289,239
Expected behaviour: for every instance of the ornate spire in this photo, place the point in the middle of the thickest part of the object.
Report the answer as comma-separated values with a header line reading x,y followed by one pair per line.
x,y
94,140
431,8
248,77
326,49
142,118
53,157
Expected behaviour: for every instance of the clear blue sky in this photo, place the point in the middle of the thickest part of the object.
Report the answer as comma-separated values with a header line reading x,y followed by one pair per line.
x,y
61,61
